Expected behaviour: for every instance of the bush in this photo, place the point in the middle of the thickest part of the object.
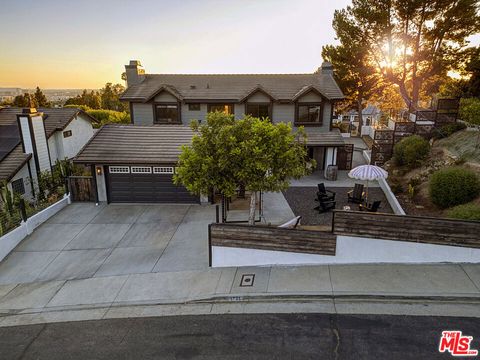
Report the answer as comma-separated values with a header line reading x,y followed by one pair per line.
x,y
109,117
470,110
411,151
465,211
453,186
449,129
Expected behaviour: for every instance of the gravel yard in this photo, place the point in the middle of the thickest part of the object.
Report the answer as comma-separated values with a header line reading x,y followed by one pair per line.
x,y
302,202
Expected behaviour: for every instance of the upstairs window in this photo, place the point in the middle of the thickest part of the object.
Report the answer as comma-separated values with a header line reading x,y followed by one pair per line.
x,y
309,114
225,108
67,133
167,114
194,107
258,110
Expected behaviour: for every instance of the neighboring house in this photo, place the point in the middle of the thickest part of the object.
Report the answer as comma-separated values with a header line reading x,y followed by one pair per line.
x,y
370,115
136,163
32,140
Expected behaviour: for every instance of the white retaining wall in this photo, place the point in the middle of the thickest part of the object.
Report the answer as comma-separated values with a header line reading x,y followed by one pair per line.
x,y
350,250
9,241
391,198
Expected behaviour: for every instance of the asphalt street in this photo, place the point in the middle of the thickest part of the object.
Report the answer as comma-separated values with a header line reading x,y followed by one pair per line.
x,y
258,336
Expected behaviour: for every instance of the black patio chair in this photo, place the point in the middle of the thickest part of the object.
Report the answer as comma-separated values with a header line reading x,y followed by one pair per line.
x,y
325,205
372,207
324,193
356,195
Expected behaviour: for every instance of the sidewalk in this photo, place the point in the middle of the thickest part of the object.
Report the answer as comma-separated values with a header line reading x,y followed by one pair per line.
x,y
318,288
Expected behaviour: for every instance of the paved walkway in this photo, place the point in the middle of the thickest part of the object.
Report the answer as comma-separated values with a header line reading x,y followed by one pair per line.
x,y
133,295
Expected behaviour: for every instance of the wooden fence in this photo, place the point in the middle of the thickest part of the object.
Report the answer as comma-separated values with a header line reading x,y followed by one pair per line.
x,y
271,238
82,188
417,229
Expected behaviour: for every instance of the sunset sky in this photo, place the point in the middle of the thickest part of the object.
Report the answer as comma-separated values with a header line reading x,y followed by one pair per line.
x,y
83,44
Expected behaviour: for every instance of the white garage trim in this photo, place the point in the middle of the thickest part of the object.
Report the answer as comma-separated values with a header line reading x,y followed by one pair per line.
x,y
141,170
119,169
163,170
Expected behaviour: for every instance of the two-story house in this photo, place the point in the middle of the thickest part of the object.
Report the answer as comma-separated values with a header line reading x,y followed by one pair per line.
x,y
32,140
167,103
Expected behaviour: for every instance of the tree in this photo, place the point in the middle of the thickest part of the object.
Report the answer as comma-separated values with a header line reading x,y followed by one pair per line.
x,y
252,152
468,85
352,63
40,98
90,99
415,42
25,101
110,97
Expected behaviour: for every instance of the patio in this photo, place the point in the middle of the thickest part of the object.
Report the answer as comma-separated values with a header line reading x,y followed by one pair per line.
x,y
302,202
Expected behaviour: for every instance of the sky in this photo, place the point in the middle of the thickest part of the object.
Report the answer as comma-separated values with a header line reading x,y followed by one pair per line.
x,y
86,43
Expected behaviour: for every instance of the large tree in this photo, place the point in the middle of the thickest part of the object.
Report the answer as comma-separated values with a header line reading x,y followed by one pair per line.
x,y
110,97
251,152
352,63
26,101
415,42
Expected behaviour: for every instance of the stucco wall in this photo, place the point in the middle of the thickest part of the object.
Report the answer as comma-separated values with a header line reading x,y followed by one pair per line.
x,y
82,131
350,250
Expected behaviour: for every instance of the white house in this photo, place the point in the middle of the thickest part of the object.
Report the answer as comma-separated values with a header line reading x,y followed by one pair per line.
x,y
32,140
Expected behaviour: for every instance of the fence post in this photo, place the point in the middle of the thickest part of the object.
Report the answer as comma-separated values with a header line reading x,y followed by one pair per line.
x,y
23,211
67,188
217,214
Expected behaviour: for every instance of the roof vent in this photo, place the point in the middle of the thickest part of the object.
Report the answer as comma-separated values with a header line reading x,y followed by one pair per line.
x,y
193,87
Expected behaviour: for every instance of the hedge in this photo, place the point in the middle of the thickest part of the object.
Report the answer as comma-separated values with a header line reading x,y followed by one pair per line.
x,y
466,212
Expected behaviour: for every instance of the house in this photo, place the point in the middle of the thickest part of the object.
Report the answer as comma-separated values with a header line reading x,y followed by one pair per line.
x,y
32,140
370,119
136,163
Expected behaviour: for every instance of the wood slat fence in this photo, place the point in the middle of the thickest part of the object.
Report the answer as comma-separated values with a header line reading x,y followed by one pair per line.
x,y
417,229
271,238
82,188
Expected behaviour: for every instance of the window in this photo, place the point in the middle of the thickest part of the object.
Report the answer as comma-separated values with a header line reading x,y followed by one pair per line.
x,y
309,114
167,113
119,169
258,110
163,170
67,133
141,170
194,107
18,187
226,108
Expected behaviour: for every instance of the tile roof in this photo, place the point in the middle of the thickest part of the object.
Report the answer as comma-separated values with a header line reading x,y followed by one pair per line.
x,y
54,118
13,162
315,137
232,86
134,144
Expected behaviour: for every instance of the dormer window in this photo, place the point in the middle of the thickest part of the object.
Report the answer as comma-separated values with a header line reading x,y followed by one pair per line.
x,y
258,110
167,114
225,108
309,114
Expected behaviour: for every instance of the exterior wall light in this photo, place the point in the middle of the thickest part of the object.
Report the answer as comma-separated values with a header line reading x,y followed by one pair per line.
x,y
98,170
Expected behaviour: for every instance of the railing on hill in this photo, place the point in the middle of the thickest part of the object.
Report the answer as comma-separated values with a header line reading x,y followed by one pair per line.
x,y
419,229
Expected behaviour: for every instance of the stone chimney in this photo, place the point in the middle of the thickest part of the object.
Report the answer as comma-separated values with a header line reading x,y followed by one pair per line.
x,y
327,68
135,73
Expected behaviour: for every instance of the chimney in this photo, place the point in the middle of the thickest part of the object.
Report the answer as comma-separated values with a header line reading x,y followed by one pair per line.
x,y
327,68
34,138
135,73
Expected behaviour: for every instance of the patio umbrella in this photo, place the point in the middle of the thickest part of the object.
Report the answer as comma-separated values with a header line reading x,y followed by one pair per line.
x,y
368,173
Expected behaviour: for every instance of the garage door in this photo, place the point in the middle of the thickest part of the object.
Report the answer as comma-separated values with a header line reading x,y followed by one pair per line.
x,y
145,184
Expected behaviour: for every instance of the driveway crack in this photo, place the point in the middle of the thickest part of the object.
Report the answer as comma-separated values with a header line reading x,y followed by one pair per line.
x,y
336,334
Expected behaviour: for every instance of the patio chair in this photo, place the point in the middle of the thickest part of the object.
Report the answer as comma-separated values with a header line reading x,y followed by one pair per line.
x,y
356,195
325,205
291,224
372,207
324,193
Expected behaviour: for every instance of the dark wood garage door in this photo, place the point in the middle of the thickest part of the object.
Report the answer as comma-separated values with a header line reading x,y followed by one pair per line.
x,y
130,187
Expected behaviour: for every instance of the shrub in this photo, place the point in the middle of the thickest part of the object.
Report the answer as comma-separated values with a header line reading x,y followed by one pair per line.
x,y
465,211
449,129
453,186
109,117
411,151
470,110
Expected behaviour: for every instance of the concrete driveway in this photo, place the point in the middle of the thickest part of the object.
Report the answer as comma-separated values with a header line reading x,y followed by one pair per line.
x,y
84,241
